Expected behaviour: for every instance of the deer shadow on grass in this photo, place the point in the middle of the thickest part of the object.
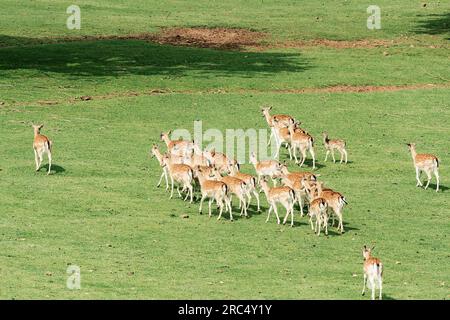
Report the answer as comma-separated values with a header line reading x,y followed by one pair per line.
x,y
54,170
442,188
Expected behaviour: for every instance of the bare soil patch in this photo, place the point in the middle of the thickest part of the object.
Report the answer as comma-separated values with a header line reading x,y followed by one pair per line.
x,y
220,38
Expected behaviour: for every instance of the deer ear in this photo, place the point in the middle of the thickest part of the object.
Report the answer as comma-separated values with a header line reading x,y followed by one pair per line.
x,y
270,108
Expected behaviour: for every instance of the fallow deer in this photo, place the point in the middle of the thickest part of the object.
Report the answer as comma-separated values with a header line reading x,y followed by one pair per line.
x,y
283,195
427,163
335,144
41,145
250,181
303,141
373,273
182,174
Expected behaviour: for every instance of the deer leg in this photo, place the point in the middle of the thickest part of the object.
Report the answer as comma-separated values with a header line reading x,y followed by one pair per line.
x,y
201,203
209,207
275,209
436,174
345,153
429,179
418,172
303,157
171,190
49,155
268,214
313,156
364,284
326,155
257,199
332,155
36,159
380,285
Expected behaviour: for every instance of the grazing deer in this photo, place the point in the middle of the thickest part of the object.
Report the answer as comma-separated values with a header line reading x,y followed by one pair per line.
x,y
249,180
235,186
214,190
335,201
177,147
294,181
335,144
373,271
270,168
180,173
41,145
282,120
283,195
158,155
303,141
317,209
425,162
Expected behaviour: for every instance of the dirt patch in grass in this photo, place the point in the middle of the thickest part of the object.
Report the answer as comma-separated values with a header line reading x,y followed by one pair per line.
x,y
337,44
220,38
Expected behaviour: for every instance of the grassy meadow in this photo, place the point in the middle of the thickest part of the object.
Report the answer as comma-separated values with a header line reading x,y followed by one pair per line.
x,y
101,210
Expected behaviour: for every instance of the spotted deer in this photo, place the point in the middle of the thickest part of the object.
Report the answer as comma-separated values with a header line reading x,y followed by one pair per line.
x,y
155,152
282,136
294,181
373,273
235,186
176,147
317,209
302,141
283,195
281,121
41,145
335,144
266,168
218,159
336,202
182,174
214,190
250,182
427,163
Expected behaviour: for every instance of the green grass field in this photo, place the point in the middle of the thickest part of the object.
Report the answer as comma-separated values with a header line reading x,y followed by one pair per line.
x,y
101,210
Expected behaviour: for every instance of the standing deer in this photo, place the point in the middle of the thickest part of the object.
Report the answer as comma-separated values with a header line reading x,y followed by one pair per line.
x,y
335,144
283,195
425,162
317,209
373,272
303,141
218,159
41,145
269,168
237,187
282,120
294,181
335,201
249,180
214,190
177,147
182,174
158,155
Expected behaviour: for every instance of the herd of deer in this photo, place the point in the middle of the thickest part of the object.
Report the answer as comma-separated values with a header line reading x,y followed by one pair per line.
x,y
219,179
